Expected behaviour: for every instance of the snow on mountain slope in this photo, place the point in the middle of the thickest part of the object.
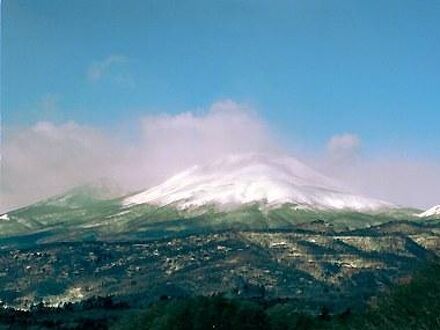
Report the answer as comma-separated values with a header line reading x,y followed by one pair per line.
x,y
241,179
4,217
433,211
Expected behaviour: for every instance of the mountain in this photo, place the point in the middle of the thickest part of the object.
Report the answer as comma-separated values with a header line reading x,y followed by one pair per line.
x,y
69,212
101,189
245,192
248,227
242,179
432,212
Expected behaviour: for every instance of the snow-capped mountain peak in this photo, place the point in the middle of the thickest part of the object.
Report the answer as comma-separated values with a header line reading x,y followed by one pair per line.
x,y
433,211
242,179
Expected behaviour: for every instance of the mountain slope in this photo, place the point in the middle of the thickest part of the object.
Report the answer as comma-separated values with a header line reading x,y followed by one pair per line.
x,y
432,212
243,179
250,192
82,206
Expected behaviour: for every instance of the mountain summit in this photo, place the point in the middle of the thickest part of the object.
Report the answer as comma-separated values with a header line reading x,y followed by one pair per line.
x,y
242,179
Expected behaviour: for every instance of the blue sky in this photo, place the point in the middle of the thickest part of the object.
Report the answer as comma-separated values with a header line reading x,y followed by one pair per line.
x,y
312,69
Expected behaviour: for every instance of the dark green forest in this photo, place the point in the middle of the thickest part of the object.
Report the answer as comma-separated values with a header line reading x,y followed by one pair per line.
x,y
414,305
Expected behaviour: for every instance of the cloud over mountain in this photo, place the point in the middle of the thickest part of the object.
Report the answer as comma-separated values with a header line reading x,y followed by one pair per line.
x,y
343,146
48,158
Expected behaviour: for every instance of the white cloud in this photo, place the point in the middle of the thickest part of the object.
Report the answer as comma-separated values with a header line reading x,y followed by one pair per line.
x,y
343,146
413,183
99,69
46,159
184,139
408,182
